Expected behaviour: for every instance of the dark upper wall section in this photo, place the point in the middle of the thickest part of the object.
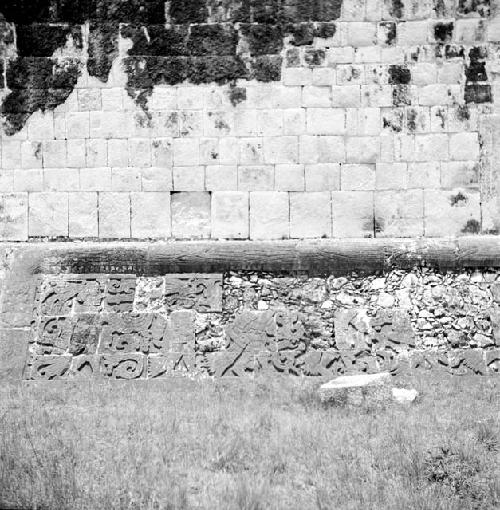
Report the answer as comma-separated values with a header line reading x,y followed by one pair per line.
x,y
194,40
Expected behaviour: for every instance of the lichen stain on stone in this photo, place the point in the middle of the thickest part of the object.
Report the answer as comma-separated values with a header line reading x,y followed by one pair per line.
x,y
458,200
237,94
472,227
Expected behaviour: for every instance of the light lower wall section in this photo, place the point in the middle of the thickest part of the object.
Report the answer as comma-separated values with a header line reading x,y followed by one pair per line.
x,y
237,214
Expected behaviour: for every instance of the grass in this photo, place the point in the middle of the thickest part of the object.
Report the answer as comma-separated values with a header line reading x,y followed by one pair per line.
x,y
253,444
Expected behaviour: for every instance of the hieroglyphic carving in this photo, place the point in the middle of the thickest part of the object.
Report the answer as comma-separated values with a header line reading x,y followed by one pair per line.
x,y
359,361
467,362
49,367
64,295
123,366
323,363
120,293
395,364
170,364
252,331
227,363
53,335
290,333
421,360
284,362
84,367
200,292
392,330
493,361
132,332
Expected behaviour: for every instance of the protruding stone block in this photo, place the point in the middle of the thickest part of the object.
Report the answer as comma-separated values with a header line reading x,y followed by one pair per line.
x,y
358,389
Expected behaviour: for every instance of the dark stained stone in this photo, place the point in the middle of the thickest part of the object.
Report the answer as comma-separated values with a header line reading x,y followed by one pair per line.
x,y
443,32
478,93
399,75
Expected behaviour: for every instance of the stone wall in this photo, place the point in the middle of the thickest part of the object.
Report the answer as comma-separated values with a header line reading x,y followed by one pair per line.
x,y
247,323
248,119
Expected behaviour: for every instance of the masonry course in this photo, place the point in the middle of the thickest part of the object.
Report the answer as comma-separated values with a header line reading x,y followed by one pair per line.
x,y
108,107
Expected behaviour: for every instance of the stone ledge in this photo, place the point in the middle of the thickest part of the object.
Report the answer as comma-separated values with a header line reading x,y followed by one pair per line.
x,y
312,257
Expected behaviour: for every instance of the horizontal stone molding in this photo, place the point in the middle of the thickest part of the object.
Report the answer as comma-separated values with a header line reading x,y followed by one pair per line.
x,y
312,257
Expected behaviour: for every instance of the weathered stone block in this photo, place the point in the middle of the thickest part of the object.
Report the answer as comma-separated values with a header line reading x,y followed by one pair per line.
x,y
123,366
49,367
310,214
13,353
269,215
170,365
150,216
190,214
48,214
200,292
230,214
120,292
252,332
352,214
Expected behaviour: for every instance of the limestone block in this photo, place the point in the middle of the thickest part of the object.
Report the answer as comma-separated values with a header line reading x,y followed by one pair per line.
x,y
11,154
321,149
352,214
61,179
76,155
156,179
281,149
399,213
48,214
77,125
323,77
322,177
376,96
123,366
188,178
404,396
201,292
119,294
48,367
325,121
31,154
150,215
256,178
289,178
269,123
221,177
424,73
363,122
186,151
230,214
269,215
361,33
471,361
431,148
392,176
454,212
170,365
190,214
294,121
460,174
54,153
14,217
293,76
346,96
251,151
96,153
161,152
82,214
314,96
413,33
425,175
13,353
362,149
464,146
28,180
357,390
114,215
310,214
438,94
357,177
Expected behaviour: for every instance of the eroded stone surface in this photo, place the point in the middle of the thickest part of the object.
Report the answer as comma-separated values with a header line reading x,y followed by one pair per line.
x,y
245,324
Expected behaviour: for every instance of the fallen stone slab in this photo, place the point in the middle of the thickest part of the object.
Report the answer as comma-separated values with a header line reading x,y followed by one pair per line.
x,y
355,390
404,396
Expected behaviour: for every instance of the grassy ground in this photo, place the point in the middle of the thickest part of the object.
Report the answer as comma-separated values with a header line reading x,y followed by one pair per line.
x,y
253,445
